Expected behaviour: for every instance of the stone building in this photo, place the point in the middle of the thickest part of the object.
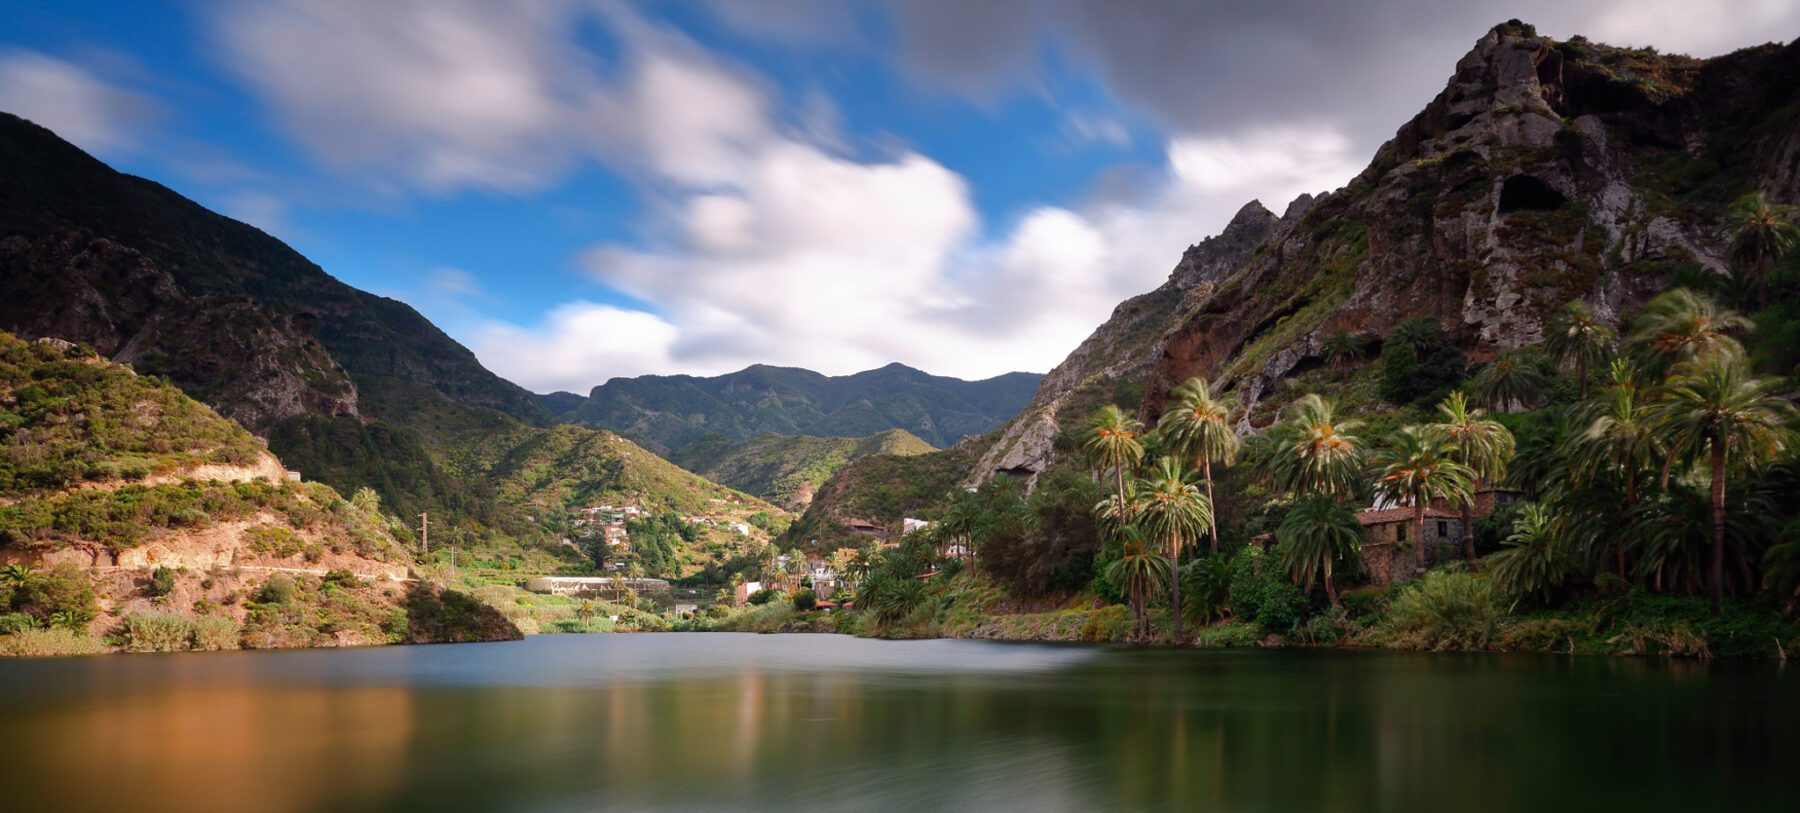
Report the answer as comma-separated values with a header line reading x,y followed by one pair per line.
x,y
1387,550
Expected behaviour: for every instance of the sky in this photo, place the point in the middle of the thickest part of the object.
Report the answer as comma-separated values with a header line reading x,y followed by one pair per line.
x,y
584,189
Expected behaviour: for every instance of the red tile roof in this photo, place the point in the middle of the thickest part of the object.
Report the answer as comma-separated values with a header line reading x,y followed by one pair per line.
x,y
1402,514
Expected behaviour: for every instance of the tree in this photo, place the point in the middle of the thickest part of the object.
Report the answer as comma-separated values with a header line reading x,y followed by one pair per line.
x,y
1313,452
1714,411
1341,347
1509,380
1198,426
1577,337
1482,444
1419,364
1761,233
1141,572
1318,535
1171,510
1416,467
1617,444
1679,325
1114,443
1530,562
367,501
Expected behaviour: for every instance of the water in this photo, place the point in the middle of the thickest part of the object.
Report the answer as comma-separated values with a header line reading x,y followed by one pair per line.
x,y
815,722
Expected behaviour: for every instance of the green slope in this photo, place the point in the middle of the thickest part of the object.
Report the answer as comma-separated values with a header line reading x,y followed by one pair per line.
x,y
788,469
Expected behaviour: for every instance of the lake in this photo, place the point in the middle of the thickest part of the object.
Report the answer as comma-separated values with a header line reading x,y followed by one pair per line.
x,y
824,722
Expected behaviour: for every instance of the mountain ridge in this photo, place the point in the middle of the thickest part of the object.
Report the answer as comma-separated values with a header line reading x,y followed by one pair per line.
x,y
667,412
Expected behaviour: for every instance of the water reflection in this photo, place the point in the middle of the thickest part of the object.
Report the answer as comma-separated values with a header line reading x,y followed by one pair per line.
x,y
821,722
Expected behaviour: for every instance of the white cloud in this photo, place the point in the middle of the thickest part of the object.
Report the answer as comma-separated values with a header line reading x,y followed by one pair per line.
x,y
70,100
577,341
454,282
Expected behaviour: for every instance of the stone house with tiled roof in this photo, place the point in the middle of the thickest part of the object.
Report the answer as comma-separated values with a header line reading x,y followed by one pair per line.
x,y
1387,550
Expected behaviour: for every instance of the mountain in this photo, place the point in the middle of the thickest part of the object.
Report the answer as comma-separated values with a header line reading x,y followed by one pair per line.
x,y
788,469
1545,171
137,512
669,412
239,321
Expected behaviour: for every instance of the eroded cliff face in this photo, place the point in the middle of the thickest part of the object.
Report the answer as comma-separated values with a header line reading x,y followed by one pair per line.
x,y
1120,353
1545,171
254,366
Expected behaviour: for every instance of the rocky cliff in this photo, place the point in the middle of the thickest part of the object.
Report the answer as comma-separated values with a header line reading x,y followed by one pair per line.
x,y
1114,362
1545,171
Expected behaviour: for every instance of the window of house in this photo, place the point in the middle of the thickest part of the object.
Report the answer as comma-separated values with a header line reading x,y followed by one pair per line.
x,y
1443,528
1399,532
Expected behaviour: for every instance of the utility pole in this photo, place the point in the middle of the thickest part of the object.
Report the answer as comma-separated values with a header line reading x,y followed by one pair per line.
x,y
425,531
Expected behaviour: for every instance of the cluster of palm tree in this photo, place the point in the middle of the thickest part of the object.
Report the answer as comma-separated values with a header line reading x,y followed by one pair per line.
x,y
1157,511
1680,406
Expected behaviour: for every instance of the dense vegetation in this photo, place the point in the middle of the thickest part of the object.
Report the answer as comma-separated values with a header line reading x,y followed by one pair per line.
x,y
1653,456
66,417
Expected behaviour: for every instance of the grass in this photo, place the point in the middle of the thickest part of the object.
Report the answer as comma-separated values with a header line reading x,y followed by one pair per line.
x,y
37,643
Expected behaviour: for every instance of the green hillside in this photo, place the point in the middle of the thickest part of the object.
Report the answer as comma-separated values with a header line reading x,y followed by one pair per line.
x,y
70,417
787,469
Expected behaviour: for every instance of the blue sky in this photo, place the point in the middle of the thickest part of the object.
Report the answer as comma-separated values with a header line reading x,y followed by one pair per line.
x,y
578,190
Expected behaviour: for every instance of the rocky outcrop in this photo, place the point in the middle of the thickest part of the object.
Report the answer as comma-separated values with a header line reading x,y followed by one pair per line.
x,y
1120,353
251,365
1545,171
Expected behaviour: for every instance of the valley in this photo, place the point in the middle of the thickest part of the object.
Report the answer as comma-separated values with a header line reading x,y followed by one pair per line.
x,y
189,398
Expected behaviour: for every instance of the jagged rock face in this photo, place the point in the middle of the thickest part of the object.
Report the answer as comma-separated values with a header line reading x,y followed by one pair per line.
x,y
1124,348
251,365
1545,171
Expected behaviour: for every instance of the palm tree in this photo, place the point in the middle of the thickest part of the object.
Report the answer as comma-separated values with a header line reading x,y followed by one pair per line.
x,y
1714,407
1342,346
1761,233
1313,451
958,525
1510,379
1141,572
1619,441
1171,510
1530,562
1419,466
1483,445
15,575
1576,336
1114,443
1198,425
1317,535
1679,325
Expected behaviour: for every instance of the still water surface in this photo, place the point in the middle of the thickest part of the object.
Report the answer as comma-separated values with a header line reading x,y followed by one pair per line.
x,y
817,722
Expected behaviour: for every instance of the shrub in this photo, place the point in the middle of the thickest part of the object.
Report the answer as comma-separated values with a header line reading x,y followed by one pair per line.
x,y
805,600
761,597
214,632
13,622
63,593
162,583
32,643
1282,609
1110,623
279,589
1228,634
157,632
340,576
1446,611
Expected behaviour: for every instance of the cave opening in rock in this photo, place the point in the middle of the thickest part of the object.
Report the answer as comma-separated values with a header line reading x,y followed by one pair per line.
x,y
1523,193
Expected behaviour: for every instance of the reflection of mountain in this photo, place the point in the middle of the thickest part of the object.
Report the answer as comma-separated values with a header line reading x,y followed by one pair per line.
x,y
685,722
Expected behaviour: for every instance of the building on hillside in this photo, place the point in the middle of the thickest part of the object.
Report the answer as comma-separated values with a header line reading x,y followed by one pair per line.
x,y
865,528
1387,551
745,591
1488,499
908,525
